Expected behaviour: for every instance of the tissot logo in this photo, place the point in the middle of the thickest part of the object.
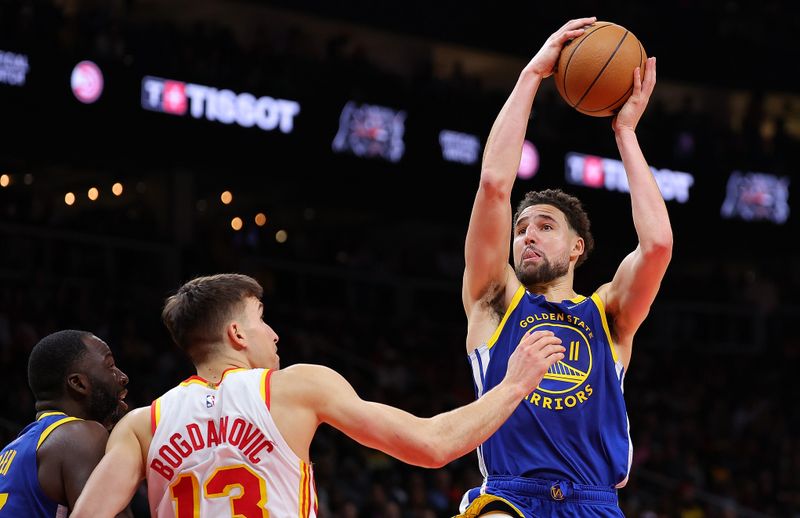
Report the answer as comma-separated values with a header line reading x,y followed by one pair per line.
x,y
609,174
221,105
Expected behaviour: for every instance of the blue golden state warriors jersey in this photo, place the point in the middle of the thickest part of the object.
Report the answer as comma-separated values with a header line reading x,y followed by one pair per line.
x,y
574,426
20,492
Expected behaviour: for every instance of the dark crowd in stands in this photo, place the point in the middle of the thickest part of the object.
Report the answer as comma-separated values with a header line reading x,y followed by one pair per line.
x,y
710,393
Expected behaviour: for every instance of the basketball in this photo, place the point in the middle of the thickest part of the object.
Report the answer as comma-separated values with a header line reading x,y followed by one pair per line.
x,y
594,73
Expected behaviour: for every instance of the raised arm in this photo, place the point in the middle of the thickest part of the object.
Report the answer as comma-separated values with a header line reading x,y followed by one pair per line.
x,y
115,479
487,243
629,295
430,442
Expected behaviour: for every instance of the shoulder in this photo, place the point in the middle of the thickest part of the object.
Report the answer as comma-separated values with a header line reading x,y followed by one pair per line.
x,y
603,293
76,439
136,418
309,374
81,429
303,370
137,421
306,380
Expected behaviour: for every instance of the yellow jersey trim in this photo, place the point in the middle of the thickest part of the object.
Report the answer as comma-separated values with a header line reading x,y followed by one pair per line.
x,y
194,380
228,371
482,501
514,301
264,386
156,413
577,299
304,496
197,380
47,414
47,431
602,308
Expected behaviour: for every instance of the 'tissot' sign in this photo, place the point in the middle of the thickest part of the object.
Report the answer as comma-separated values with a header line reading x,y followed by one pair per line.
x,y
609,174
221,105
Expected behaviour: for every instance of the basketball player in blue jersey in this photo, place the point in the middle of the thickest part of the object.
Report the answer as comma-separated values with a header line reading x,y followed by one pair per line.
x,y
566,449
79,391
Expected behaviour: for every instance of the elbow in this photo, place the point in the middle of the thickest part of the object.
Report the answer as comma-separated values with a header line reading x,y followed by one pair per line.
x,y
659,249
493,186
433,454
436,459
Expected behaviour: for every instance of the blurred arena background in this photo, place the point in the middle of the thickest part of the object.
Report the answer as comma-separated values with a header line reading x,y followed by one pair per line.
x,y
332,151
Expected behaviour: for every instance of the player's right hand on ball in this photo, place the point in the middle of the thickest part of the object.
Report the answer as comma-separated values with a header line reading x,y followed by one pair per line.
x,y
545,60
536,352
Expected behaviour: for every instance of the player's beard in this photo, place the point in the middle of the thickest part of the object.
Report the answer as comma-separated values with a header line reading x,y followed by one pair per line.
x,y
104,404
543,273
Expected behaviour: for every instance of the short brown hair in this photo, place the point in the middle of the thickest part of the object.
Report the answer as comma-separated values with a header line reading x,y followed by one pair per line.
x,y
571,207
196,314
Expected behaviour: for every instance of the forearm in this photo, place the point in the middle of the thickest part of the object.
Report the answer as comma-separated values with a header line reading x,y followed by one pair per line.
x,y
650,216
435,441
460,431
504,145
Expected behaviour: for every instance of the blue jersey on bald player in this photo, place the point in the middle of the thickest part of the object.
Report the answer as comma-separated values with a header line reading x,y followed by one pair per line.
x,y
21,494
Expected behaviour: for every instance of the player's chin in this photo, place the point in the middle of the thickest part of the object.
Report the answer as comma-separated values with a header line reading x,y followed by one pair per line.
x,y
119,412
115,416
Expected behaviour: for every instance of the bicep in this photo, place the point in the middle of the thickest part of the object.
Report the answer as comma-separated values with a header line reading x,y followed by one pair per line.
x,y
371,424
486,248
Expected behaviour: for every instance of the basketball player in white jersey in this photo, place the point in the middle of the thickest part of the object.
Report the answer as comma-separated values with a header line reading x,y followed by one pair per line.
x,y
234,439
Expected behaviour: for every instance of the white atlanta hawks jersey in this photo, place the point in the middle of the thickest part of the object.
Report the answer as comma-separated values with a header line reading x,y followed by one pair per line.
x,y
216,452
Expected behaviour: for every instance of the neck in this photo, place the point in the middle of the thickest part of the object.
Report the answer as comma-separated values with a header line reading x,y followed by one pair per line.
x,y
69,407
555,290
212,369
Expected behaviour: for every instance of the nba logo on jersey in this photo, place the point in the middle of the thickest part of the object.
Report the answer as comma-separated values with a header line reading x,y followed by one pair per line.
x,y
210,400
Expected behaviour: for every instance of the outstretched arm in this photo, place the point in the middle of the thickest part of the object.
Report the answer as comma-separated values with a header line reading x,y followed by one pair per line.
x,y
636,282
486,247
430,442
114,481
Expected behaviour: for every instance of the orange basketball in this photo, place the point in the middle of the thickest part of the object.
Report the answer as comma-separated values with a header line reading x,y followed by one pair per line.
x,y
594,73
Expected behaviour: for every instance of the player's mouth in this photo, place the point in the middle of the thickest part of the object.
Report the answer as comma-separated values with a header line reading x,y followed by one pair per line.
x,y
122,404
530,254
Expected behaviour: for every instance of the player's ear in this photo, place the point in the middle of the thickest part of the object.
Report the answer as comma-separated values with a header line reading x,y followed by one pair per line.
x,y
578,247
79,382
235,335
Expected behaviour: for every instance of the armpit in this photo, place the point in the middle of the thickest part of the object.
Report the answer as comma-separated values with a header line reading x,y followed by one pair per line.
x,y
494,301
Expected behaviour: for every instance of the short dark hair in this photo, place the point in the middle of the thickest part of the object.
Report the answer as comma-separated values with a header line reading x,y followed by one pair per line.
x,y
571,207
51,360
196,314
